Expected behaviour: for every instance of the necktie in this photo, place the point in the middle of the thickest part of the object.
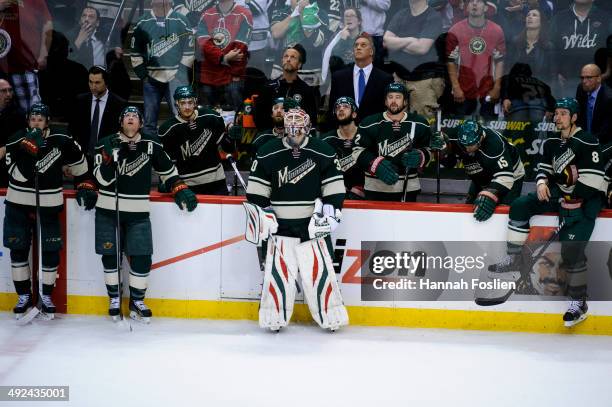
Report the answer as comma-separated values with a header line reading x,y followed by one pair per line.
x,y
93,135
361,86
590,108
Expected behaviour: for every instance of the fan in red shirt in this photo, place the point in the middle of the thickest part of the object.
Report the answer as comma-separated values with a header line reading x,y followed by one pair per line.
x,y
224,33
475,48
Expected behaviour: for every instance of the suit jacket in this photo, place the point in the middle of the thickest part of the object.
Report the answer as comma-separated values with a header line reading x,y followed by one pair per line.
x,y
601,124
373,98
79,125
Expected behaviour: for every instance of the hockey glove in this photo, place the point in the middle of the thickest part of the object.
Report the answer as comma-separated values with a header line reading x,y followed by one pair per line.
x,y
32,142
110,144
437,141
235,132
413,159
86,195
384,170
184,197
571,211
484,205
322,225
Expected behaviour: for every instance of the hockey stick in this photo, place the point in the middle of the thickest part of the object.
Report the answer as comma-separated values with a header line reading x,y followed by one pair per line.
x,y
405,183
118,255
34,311
110,33
235,168
524,272
438,128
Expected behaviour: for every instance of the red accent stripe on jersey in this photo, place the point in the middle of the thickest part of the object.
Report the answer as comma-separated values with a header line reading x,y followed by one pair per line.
x,y
327,295
315,269
273,292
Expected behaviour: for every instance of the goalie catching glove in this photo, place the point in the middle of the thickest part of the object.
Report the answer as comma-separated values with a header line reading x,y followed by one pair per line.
x,y
484,205
86,195
183,196
324,220
260,223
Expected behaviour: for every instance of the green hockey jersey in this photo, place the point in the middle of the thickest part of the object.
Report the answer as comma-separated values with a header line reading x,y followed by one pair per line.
x,y
262,138
582,150
136,160
353,174
380,136
194,146
162,48
57,150
290,180
496,165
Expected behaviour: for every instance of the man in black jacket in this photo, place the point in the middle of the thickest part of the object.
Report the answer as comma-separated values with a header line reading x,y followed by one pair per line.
x,y
12,119
362,82
595,101
95,114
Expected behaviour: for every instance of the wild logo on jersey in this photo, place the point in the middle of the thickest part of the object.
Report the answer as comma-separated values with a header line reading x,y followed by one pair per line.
x,y
346,163
559,163
133,167
392,149
190,149
47,161
286,176
473,168
160,48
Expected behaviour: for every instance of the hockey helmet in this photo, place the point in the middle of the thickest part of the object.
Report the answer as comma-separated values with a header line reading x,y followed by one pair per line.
x,y
345,100
567,103
130,109
184,92
396,87
469,133
39,109
290,103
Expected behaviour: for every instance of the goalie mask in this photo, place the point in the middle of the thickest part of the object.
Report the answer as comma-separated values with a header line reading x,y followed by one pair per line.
x,y
297,127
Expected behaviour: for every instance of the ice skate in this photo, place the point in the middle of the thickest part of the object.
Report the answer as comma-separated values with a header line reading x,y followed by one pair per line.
x,y
576,313
113,308
139,311
24,303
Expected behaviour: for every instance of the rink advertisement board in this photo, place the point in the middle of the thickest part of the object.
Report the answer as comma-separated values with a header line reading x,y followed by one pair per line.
x,y
203,267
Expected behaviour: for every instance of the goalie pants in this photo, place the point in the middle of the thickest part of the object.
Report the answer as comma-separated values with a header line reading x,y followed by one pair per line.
x,y
136,243
18,228
573,238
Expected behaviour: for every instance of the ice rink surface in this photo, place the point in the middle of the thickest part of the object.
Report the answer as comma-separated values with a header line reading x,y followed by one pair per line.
x,y
175,362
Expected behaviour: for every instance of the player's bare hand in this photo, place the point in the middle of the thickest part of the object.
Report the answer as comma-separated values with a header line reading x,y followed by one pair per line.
x,y
543,192
458,95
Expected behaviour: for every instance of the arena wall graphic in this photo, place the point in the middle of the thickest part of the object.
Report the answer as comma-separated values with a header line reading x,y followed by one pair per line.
x,y
203,267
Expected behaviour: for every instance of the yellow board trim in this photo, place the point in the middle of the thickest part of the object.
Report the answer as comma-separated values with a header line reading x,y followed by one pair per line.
x,y
364,316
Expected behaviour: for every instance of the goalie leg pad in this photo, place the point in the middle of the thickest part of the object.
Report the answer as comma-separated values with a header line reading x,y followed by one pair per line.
x,y
278,291
320,286
252,230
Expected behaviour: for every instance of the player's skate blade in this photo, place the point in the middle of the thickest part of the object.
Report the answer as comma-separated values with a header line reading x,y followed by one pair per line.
x,y
140,312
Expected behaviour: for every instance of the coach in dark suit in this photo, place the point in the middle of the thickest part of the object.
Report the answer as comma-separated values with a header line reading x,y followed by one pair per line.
x,y
362,81
95,114
595,101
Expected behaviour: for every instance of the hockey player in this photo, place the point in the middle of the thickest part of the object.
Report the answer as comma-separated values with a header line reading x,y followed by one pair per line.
x,y
570,181
40,152
300,178
279,107
192,139
392,146
342,141
135,154
491,162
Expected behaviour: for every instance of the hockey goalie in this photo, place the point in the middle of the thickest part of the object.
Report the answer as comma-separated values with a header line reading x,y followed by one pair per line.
x,y
294,197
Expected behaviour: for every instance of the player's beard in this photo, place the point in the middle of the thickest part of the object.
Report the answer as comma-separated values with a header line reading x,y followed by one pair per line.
x,y
394,109
278,122
345,121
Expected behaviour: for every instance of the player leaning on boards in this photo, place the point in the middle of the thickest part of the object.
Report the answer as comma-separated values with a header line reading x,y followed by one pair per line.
x,y
137,154
492,163
40,149
299,177
392,146
192,139
342,141
570,181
